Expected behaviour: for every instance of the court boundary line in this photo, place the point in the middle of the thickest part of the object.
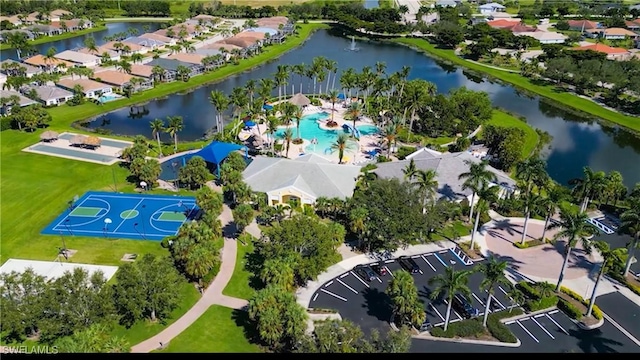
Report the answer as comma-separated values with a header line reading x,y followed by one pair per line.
x,y
64,218
144,197
86,207
125,220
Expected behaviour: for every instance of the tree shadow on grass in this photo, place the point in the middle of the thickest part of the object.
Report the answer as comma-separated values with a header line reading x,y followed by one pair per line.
x,y
377,303
593,341
253,264
241,319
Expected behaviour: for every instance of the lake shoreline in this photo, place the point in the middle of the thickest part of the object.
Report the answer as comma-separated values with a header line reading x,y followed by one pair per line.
x,y
65,36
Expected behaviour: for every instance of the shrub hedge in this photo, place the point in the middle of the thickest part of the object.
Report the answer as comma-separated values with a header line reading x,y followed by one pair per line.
x,y
5,123
528,290
499,330
463,329
597,313
569,309
542,303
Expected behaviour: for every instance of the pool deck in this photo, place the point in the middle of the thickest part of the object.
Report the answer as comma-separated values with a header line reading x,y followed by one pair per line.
x,y
356,156
108,154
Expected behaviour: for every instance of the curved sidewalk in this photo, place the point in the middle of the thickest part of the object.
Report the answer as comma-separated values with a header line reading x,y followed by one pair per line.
x,y
211,296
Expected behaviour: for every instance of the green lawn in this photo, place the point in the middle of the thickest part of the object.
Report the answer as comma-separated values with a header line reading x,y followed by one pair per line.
x,y
458,228
218,330
68,114
548,91
146,329
67,35
501,118
238,286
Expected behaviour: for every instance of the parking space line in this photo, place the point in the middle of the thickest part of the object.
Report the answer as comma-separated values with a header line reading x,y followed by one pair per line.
x,y
334,295
415,257
315,297
498,301
458,256
436,310
442,251
553,312
344,275
388,261
539,316
542,327
452,309
329,283
558,325
440,259
380,281
420,271
480,301
450,322
428,263
358,277
527,331
510,322
389,271
347,286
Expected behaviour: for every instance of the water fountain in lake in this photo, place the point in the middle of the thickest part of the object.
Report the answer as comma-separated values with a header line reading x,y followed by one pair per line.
x,y
353,45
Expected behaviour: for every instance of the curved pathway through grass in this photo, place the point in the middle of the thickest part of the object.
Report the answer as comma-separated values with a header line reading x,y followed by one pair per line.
x,y
211,296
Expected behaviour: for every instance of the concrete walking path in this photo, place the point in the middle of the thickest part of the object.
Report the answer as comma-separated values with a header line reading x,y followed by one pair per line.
x,y
211,296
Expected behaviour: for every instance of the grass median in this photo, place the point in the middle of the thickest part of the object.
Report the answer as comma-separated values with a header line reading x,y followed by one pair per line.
x,y
548,91
67,35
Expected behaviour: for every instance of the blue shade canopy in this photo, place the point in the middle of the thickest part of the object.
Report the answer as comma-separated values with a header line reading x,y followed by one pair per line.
x,y
217,151
341,96
249,124
267,107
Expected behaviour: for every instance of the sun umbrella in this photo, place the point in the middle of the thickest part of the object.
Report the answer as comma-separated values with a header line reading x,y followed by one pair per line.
x,y
300,100
49,135
77,140
92,140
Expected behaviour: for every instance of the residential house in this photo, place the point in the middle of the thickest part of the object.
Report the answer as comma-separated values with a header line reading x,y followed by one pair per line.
x,y
202,19
153,36
191,31
78,58
58,14
49,64
446,3
614,33
582,25
491,8
24,101
270,35
28,34
633,25
120,80
50,95
171,67
145,42
545,37
248,41
223,47
74,24
280,23
33,18
142,70
303,179
91,89
45,30
101,51
133,48
612,52
28,69
515,26
191,58
14,20
213,52
448,168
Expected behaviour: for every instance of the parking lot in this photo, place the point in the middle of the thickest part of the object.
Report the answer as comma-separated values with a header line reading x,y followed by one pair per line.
x,y
365,303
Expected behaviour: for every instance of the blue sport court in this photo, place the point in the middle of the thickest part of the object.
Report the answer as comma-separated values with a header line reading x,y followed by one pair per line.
x,y
127,216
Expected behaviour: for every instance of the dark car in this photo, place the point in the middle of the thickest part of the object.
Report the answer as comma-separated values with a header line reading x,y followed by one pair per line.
x,y
495,306
365,272
463,306
379,269
409,264
426,326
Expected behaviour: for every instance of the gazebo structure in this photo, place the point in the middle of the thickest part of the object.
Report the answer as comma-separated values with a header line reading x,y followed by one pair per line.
x,y
217,151
300,100
49,135
92,141
77,140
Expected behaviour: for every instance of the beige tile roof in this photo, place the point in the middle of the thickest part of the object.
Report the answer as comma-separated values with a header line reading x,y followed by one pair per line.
x,y
39,60
619,31
187,57
254,35
132,46
141,70
157,37
60,12
221,45
113,77
87,84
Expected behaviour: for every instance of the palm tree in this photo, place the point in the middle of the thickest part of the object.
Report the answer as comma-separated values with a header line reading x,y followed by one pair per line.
x,y
609,259
532,203
239,99
157,73
390,133
297,113
175,126
410,170
406,304
332,68
556,194
589,186
532,172
49,57
449,284
300,70
427,185
486,195
157,126
333,98
250,86
288,136
343,143
353,113
474,178
272,126
493,271
630,222
220,102
90,44
281,77
137,57
575,229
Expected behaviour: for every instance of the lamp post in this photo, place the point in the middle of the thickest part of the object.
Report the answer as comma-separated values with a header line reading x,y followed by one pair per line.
x,y
135,226
68,228
144,219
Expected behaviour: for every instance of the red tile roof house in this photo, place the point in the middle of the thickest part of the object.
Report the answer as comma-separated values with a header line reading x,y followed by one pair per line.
x,y
612,53
91,89
513,26
633,25
614,34
119,80
582,25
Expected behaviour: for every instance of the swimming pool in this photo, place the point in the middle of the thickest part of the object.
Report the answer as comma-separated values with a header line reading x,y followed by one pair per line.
x,y
310,129
109,97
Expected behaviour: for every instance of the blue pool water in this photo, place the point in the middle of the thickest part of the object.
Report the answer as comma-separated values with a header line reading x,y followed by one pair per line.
x,y
310,129
108,97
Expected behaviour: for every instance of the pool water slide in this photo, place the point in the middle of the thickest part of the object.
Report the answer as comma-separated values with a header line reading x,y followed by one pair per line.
x,y
353,130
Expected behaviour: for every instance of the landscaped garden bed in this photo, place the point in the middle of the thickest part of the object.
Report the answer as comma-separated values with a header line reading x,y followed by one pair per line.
x,y
474,253
472,329
529,244
321,311
575,307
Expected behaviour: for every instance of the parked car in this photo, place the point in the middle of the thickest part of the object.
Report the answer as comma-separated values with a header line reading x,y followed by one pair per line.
x,y
379,269
365,272
426,325
495,306
463,306
409,264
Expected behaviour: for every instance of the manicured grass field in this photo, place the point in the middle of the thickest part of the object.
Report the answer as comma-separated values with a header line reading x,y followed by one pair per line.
x,y
67,35
65,115
181,7
501,118
548,91
219,329
146,329
238,286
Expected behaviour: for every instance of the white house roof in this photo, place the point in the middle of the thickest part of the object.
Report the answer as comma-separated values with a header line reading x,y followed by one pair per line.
x,y
52,269
29,68
492,5
446,3
543,35
448,167
143,41
50,92
77,57
310,174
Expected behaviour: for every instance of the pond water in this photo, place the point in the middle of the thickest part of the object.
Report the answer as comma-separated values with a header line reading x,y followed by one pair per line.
x,y
576,142
78,41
